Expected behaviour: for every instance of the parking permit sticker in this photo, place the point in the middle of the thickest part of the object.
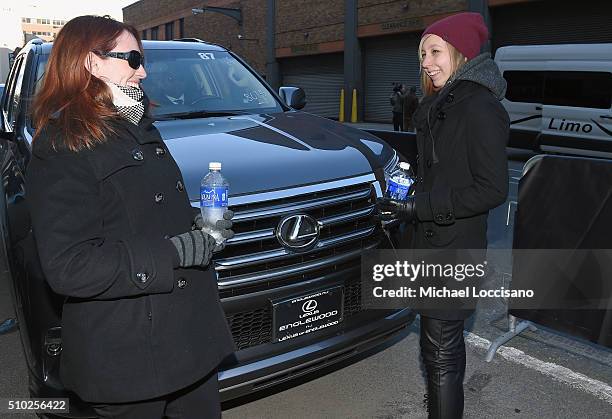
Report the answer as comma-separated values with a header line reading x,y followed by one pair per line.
x,y
206,55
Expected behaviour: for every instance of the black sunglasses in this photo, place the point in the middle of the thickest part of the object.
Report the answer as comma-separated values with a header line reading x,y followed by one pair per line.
x,y
134,58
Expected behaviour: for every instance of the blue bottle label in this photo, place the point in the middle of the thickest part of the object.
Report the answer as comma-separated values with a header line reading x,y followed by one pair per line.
x,y
213,196
397,191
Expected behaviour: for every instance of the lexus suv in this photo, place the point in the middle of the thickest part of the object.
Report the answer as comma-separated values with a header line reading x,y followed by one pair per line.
x,y
303,189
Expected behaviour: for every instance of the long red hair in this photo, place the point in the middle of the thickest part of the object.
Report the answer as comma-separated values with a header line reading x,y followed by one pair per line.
x,y
71,98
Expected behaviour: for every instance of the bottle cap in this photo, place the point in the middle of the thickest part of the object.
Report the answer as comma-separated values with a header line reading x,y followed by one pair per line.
x,y
405,165
214,165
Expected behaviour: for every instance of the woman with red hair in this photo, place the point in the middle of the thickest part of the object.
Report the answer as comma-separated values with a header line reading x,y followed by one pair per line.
x,y
143,330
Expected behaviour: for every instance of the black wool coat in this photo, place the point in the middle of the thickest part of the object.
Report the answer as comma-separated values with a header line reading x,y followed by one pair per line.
x,y
134,327
462,133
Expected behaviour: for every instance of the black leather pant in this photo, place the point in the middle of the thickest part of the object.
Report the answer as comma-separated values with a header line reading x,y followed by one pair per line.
x,y
443,352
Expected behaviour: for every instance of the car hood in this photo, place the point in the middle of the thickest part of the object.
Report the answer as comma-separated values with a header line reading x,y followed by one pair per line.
x,y
261,153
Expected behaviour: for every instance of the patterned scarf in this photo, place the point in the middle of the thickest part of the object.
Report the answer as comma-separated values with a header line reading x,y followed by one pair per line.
x,y
128,101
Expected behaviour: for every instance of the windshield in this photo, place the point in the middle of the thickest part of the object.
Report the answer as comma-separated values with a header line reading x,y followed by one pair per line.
x,y
182,81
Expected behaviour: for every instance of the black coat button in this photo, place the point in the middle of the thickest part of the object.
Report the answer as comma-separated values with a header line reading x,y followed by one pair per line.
x,y
429,233
143,277
441,115
181,283
179,186
449,216
160,151
450,97
159,197
439,218
428,163
137,155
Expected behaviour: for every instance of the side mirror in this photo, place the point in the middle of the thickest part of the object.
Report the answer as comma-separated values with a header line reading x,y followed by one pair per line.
x,y
295,97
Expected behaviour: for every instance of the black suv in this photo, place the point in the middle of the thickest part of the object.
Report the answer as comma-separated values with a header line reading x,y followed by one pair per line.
x,y
303,189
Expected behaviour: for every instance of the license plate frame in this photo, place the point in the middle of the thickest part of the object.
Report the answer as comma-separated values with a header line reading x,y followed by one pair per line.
x,y
306,313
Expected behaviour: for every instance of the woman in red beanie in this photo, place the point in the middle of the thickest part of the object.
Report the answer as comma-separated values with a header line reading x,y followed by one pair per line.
x,y
462,132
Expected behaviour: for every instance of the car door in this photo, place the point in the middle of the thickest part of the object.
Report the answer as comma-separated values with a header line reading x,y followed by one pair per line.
x,y
523,102
576,113
35,310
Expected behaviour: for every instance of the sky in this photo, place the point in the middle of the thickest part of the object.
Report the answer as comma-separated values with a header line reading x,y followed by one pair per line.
x,y
11,12
67,9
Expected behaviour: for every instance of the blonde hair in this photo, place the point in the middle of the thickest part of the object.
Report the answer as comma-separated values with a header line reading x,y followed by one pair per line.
x,y
457,60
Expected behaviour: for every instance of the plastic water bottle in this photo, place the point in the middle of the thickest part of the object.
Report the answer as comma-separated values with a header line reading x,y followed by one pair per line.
x,y
214,191
399,185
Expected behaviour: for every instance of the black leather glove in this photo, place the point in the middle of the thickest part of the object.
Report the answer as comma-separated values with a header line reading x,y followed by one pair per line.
x,y
224,225
194,248
392,209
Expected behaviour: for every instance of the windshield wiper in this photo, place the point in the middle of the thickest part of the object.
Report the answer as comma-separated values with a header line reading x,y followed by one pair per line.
x,y
197,114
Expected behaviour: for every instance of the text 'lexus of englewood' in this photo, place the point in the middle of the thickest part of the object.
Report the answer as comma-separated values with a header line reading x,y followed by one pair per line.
x,y
303,189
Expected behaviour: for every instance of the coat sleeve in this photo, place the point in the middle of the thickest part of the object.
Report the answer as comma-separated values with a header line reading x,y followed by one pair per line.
x,y
487,136
77,260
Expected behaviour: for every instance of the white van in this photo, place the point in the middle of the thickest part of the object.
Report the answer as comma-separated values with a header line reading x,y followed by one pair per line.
x,y
559,97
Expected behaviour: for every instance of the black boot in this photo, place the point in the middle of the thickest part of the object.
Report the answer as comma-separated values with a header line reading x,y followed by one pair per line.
x,y
443,352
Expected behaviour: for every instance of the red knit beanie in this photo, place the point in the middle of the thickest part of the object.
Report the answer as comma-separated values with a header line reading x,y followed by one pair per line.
x,y
465,31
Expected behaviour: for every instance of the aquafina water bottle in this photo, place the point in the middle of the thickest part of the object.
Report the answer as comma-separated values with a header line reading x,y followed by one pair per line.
x,y
214,191
399,185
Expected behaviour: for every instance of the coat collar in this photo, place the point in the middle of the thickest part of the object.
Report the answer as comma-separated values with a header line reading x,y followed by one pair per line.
x,y
449,96
144,133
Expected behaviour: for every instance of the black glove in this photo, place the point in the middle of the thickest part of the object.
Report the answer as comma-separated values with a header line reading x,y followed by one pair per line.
x,y
392,209
194,248
224,225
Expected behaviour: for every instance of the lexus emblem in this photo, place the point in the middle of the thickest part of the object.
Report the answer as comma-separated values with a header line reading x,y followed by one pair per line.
x,y
309,305
298,232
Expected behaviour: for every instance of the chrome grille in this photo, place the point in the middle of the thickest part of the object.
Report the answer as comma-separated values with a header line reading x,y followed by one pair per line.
x,y
255,260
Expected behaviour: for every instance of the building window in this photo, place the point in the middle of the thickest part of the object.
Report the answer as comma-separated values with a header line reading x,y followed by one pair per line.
x,y
144,34
154,33
43,21
169,30
26,20
181,27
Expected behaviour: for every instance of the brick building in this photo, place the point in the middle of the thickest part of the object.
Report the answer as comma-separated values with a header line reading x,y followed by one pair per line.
x,y
367,45
44,28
